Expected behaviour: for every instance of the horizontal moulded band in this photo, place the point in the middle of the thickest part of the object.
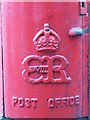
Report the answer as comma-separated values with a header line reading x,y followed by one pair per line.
x,y
44,0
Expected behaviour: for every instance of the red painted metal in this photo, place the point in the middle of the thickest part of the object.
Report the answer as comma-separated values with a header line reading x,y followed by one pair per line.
x,y
45,73
1,80
89,56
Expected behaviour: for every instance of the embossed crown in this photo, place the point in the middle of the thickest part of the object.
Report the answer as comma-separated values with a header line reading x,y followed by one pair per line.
x,y
46,39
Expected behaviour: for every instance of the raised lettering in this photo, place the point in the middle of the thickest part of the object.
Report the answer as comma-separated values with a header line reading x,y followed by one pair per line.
x,y
27,102
51,103
64,101
24,102
72,100
34,101
14,101
77,99
57,102
21,102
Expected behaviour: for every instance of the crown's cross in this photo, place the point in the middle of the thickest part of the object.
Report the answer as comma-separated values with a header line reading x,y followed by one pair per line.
x,y
46,30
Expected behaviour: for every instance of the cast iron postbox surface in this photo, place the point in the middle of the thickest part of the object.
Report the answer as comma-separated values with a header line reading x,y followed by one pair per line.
x,y
44,63
1,83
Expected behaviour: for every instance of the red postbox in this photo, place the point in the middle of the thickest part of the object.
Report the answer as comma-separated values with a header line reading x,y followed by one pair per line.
x,y
1,71
45,59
